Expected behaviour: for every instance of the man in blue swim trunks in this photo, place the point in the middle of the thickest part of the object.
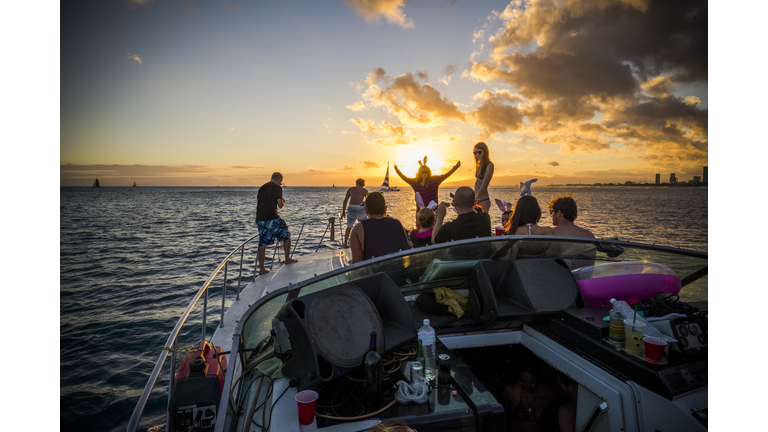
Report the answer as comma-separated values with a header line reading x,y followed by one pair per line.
x,y
356,211
271,226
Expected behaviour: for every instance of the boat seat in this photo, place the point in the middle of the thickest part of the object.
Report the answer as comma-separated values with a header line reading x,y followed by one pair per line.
x,y
522,290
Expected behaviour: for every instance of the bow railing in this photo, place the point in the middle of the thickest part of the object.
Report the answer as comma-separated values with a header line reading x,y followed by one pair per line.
x,y
170,344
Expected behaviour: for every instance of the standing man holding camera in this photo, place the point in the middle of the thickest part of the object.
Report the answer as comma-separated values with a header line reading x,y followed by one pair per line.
x,y
271,226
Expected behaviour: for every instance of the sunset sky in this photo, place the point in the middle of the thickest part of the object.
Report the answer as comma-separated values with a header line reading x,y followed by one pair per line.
x,y
193,93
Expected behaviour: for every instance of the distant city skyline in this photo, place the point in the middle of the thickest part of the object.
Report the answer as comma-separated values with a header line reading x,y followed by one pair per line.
x,y
204,94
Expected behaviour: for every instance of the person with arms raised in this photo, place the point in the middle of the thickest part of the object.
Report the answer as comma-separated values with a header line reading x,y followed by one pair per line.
x,y
425,183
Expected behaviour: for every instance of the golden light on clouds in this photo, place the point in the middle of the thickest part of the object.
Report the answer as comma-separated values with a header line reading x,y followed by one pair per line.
x,y
617,86
135,57
568,76
373,10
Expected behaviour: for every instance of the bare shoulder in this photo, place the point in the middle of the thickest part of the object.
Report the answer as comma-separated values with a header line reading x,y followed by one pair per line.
x,y
545,230
587,233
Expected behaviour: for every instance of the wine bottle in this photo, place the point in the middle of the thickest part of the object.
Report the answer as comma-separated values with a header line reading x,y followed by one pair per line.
x,y
373,368
419,352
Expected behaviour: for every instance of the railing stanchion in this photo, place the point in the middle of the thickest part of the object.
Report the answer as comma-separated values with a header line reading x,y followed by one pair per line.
x,y
274,254
205,309
297,239
170,383
323,237
240,277
224,295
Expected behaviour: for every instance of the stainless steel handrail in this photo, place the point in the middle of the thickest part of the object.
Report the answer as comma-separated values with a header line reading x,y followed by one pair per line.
x,y
203,292
133,423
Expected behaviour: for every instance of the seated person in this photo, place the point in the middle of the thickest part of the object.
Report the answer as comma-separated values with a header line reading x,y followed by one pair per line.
x,y
377,235
523,221
423,235
528,403
505,217
566,415
506,210
468,224
563,210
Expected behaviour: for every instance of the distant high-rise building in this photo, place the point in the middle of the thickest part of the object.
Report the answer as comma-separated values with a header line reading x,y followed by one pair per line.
x,y
704,179
658,178
672,179
697,179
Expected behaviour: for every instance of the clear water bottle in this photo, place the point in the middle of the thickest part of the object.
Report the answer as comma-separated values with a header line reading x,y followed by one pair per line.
x,y
427,338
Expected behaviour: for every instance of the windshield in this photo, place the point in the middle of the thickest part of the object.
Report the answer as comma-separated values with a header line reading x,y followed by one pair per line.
x,y
451,265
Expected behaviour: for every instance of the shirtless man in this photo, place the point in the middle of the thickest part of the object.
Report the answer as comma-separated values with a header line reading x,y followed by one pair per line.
x,y
355,196
563,210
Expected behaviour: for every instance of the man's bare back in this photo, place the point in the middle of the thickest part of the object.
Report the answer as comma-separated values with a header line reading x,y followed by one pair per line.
x,y
356,195
571,230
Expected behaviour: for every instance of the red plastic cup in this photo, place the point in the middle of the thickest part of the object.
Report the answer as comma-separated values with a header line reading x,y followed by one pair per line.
x,y
306,400
654,348
499,231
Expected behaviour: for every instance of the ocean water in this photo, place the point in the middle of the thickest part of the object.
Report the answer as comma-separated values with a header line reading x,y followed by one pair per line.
x,y
132,258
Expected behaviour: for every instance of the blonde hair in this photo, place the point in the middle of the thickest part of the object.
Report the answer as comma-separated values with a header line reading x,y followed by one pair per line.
x,y
426,217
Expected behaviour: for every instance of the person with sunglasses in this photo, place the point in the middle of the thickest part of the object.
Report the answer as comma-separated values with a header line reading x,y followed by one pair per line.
x,y
564,211
483,175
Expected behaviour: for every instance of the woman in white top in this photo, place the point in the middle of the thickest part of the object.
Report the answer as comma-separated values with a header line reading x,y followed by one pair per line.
x,y
483,175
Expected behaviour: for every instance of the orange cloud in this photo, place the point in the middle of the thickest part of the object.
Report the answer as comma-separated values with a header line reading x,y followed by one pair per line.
x,y
135,57
414,104
374,10
357,106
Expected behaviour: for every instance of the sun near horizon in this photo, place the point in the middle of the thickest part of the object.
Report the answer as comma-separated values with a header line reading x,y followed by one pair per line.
x,y
211,95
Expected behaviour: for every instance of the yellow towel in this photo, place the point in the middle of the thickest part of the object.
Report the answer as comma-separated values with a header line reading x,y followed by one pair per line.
x,y
456,303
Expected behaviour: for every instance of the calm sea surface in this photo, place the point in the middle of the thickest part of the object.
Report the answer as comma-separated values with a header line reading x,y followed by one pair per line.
x,y
132,258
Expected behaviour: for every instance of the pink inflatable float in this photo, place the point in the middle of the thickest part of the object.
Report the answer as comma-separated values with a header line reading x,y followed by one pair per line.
x,y
629,281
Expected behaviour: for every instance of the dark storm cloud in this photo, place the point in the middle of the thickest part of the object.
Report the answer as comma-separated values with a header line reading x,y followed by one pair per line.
x,y
569,76
622,59
656,37
496,114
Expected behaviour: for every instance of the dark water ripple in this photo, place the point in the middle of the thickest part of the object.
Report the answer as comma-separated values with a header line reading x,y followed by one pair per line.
x,y
131,259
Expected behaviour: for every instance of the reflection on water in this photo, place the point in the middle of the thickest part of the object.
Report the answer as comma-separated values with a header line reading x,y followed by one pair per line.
x,y
131,259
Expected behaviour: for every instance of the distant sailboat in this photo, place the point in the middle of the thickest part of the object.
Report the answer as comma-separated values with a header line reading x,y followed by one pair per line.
x,y
134,184
385,186
96,184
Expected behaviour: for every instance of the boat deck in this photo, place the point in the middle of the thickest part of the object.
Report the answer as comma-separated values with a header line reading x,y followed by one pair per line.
x,y
280,276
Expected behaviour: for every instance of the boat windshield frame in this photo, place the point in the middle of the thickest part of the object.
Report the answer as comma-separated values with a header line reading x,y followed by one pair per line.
x,y
485,248
501,247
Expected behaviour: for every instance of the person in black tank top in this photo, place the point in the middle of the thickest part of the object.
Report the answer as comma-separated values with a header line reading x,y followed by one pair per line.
x,y
378,235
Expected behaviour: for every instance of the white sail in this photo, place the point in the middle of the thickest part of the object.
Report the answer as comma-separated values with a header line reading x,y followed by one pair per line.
x,y
385,185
